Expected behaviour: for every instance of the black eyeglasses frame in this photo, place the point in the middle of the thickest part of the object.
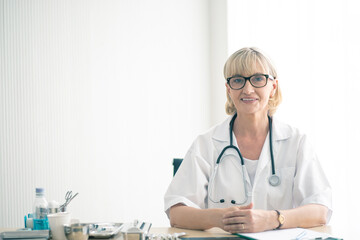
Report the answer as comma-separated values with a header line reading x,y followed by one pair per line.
x,y
248,79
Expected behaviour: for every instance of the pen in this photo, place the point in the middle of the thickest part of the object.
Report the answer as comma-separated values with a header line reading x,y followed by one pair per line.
x,y
301,235
328,238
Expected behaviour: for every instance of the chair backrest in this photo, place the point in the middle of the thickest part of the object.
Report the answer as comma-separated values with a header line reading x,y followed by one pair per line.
x,y
176,164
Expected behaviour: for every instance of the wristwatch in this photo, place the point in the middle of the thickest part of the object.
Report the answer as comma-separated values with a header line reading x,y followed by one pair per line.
x,y
281,219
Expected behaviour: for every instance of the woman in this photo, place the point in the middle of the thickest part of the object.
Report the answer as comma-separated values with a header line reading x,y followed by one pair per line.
x,y
211,191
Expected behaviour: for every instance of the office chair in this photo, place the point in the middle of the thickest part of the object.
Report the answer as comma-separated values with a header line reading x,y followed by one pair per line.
x,y
176,164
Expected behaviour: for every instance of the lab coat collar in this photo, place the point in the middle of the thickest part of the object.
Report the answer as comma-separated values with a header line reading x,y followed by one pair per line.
x,y
221,132
280,130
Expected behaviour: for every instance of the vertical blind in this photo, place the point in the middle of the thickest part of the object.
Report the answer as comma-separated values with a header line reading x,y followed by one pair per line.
x,y
91,94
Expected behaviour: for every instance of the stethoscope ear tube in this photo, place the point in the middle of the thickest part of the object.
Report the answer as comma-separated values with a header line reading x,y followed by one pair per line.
x,y
213,177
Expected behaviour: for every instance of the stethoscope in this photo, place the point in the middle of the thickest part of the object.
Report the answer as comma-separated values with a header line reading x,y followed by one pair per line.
x,y
274,180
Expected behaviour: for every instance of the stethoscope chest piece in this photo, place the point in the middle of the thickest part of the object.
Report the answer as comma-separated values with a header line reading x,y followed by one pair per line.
x,y
274,180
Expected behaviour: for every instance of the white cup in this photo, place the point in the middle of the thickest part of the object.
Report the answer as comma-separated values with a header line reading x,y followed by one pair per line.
x,y
56,223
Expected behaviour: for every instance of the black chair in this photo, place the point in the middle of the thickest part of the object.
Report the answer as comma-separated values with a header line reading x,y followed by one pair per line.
x,y
176,164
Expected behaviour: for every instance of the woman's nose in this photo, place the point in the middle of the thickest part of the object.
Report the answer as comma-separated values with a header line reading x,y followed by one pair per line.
x,y
248,88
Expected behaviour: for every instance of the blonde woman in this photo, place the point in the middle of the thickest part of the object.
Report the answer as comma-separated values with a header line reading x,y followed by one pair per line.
x,y
252,172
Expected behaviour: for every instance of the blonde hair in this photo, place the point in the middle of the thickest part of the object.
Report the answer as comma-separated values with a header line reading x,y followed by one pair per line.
x,y
246,62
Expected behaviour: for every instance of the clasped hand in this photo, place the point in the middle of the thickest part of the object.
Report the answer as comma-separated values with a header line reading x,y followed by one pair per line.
x,y
245,219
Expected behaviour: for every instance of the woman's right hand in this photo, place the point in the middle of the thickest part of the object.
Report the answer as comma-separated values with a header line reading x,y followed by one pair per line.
x,y
232,217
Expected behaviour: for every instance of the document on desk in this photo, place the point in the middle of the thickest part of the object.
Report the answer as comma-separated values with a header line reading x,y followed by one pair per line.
x,y
285,234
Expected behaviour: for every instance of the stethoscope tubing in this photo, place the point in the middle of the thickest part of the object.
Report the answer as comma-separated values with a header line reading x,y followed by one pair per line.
x,y
274,180
238,151
232,147
271,147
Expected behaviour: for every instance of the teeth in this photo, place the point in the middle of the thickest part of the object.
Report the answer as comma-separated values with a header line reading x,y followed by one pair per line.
x,y
248,99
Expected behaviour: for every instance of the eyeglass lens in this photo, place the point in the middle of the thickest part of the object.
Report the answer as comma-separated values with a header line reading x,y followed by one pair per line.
x,y
256,81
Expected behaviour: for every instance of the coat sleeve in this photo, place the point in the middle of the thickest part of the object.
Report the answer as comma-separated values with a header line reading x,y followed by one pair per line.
x,y
310,184
189,185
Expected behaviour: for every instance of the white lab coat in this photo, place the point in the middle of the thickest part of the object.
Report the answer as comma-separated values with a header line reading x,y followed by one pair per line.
x,y
302,178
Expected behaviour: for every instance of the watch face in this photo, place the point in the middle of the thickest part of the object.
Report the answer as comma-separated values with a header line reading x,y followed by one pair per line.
x,y
281,219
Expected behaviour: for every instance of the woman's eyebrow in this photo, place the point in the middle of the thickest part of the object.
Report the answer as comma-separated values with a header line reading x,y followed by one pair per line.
x,y
239,75
257,73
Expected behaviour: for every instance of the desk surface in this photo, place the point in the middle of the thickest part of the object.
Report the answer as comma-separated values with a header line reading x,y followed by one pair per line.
x,y
213,232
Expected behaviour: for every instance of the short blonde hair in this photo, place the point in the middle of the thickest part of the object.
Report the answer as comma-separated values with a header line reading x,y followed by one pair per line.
x,y
246,62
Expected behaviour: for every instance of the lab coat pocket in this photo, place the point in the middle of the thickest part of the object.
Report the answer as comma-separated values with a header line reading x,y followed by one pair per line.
x,y
280,197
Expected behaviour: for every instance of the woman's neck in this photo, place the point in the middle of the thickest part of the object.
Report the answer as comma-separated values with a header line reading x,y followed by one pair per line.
x,y
251,125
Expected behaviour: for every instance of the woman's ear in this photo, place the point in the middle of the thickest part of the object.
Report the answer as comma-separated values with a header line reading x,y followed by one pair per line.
x,y
275,85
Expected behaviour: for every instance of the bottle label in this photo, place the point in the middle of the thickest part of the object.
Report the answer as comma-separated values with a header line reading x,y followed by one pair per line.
x,y
41,212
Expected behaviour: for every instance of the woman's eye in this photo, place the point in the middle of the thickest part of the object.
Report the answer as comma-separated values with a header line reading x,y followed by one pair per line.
x,y
258,78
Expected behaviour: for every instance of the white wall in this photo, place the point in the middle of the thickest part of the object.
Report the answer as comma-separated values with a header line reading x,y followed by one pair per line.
x,y
92,92
97,97
218,55
316,47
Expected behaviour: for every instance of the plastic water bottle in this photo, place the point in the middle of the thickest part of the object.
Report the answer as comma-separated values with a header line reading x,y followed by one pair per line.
x,y
40,210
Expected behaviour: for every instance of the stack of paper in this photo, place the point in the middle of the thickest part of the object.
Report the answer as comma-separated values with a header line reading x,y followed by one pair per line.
x,y
285,234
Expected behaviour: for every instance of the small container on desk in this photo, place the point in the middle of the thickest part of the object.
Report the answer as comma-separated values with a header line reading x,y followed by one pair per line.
x,y
136,230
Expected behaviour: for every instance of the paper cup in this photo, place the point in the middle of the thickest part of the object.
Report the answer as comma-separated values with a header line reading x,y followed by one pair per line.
x,y
56,223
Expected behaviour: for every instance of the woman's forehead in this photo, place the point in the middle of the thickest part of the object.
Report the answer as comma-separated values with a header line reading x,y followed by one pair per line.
x,y
247,70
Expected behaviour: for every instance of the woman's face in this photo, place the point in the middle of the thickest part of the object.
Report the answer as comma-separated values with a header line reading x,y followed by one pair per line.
x,y
252,100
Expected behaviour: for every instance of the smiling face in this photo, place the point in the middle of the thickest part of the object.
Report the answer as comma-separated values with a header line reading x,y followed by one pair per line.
x,y
249,64
250,99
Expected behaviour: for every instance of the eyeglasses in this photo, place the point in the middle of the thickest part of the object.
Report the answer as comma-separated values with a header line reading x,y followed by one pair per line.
x,y
257,80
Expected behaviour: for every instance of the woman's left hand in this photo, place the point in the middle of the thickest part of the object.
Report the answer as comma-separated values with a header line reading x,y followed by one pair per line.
x,y
246,219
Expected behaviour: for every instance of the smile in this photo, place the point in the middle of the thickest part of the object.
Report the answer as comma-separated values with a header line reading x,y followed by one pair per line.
x,y
248,99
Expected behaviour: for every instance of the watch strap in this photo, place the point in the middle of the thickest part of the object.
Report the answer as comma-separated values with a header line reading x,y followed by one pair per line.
x,y
280,219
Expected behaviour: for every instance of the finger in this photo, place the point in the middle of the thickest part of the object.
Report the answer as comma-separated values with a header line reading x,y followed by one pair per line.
x,y
234,220
250,206
236,213
236,228
239,212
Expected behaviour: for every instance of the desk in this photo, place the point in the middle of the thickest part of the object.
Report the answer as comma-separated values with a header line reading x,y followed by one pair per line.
x,y
213,232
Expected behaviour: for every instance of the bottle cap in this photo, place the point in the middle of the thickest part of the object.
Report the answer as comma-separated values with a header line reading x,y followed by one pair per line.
x,y
40,190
